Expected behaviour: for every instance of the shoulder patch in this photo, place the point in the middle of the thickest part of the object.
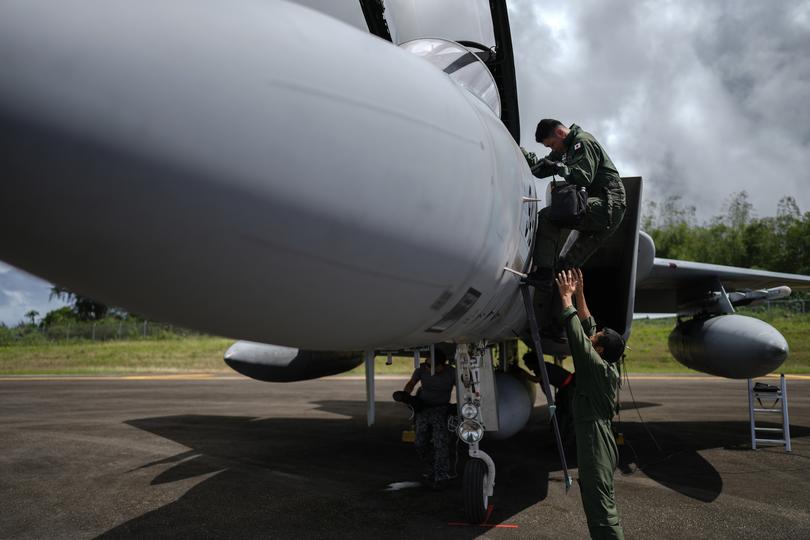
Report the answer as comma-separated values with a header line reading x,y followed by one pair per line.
x,y
578,146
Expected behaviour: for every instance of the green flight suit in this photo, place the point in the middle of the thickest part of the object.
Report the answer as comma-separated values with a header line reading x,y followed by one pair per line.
x,y
586,164
594,406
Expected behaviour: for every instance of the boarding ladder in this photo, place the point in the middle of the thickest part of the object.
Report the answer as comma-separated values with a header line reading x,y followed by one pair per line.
x,y
776,402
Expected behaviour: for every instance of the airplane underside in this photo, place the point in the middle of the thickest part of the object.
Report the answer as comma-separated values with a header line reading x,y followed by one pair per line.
x,y
269,173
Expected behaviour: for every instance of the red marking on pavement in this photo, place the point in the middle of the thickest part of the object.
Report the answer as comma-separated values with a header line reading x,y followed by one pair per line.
x,y
485,523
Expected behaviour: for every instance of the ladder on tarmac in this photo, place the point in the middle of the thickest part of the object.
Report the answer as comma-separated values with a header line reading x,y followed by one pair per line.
x,y
776,402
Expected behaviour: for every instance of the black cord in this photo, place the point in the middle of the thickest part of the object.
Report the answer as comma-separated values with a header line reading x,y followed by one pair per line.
x,y
643,424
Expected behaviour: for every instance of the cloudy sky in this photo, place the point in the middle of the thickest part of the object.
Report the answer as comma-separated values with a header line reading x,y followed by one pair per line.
x,y
21,293
702,98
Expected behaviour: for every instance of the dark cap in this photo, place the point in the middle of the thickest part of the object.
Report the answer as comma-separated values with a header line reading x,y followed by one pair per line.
x,y
613,344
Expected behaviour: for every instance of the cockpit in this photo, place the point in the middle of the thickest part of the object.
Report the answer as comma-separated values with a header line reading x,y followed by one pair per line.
x,y
460,64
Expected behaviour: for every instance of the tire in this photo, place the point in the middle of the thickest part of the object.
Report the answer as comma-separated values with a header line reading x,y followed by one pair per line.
x,y
476,502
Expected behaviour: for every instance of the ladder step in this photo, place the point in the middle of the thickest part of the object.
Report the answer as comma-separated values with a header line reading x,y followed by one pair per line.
x,y
772,399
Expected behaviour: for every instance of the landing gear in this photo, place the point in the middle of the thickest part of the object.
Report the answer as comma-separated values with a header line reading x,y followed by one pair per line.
x,y
477,412
476,500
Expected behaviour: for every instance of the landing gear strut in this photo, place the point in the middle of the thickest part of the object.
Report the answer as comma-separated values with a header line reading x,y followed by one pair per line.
x,y
474,377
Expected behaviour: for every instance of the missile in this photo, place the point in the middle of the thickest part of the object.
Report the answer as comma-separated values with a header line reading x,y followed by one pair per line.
x,y
748,298
732,346
256,170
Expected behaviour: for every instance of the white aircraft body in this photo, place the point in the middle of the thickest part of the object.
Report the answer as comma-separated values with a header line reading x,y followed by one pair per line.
x,y
265,171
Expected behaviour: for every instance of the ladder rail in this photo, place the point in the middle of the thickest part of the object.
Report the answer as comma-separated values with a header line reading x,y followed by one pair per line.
x,y
751,419
785,419
779,397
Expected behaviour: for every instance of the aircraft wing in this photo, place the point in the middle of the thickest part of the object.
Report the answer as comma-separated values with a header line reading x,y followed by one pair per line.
x,y
673,286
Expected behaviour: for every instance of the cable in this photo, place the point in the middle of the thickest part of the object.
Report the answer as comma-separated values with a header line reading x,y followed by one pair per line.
x,y
643,424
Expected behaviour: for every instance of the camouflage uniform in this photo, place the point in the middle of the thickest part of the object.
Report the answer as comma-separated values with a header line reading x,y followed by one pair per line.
x,y
433,441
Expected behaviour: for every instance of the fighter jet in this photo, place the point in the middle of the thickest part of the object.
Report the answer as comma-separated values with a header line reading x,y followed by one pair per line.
x,y
336,188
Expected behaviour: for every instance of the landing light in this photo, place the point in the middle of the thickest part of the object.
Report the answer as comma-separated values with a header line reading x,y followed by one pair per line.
x,y
470,431
469,410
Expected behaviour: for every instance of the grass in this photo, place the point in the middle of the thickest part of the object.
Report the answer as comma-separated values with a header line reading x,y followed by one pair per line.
x,y
189,354
649,353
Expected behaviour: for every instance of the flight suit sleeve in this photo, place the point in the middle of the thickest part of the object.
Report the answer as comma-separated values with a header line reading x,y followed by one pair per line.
x,y
542,169
585,358
589,326
581,167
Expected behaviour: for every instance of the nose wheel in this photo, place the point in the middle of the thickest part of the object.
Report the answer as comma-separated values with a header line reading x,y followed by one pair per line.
x,y
476,499
474,391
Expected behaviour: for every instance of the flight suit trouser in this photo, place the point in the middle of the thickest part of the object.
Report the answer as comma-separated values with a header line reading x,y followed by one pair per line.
x,y
433,441
600,222
597,456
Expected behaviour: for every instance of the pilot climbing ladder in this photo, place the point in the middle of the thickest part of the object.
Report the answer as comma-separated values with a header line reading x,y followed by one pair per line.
x,y
776,402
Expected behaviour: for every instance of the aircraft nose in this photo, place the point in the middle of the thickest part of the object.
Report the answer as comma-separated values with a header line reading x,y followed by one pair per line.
x,y
203,187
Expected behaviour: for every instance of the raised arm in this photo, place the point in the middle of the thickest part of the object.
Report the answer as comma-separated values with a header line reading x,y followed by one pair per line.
x,y
578,341
584,314
579,295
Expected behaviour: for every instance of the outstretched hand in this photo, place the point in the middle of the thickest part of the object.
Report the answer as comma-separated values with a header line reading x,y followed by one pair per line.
x,y
566,284
579,281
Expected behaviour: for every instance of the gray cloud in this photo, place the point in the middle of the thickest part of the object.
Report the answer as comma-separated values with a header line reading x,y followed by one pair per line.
x,y
702,98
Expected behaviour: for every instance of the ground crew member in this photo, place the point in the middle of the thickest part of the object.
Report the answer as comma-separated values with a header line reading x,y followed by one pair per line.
x,y
578,158
431,407
595,358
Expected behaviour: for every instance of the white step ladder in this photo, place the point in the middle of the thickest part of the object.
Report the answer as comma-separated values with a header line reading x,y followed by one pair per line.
x,y
778,395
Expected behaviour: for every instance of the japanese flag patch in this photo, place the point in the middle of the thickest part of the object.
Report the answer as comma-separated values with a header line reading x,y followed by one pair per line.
x,y
578,146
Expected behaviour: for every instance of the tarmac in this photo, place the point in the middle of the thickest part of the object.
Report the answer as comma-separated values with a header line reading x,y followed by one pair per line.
x,y
224,457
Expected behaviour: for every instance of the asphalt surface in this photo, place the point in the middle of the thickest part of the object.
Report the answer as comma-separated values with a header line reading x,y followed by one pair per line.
x,y
236,458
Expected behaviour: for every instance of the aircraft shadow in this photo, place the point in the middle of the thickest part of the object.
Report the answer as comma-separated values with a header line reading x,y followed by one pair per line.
x,y
313,478
673,459
326,477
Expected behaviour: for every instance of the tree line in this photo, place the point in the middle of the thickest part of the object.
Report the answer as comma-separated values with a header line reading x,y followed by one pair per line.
x,y
737,237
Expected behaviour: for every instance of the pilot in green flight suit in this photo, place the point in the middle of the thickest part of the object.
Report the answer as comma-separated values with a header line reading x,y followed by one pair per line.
x,y
595,355
578,158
